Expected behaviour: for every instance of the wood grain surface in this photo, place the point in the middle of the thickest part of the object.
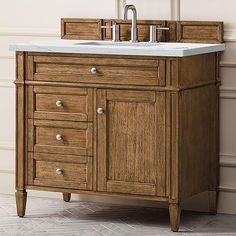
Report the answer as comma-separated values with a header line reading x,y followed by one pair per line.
x,y
156,139
179,31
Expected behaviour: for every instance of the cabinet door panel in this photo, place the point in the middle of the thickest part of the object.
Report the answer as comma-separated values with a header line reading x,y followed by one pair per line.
x,y
131,142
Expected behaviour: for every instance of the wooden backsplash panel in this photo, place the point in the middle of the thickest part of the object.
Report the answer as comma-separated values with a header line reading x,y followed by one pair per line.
x,y
172,33
81,29
202,32
107,33
143,29
180,31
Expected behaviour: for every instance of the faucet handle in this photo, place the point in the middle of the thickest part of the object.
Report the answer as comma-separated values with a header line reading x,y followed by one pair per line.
x,y
153,32
106,27
115,31
163,28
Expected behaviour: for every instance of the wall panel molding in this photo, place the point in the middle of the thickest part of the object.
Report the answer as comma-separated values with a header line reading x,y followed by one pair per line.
x,y
7,57
39,32
230,64
11,172
228,92
120,4
7,82
228,189
228,160
230,35
175,9
7,146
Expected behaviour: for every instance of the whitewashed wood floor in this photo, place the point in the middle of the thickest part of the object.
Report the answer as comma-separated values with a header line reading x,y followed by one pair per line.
x,y
55,217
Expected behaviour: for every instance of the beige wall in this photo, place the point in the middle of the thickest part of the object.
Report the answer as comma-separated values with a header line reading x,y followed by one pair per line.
x,y
40,20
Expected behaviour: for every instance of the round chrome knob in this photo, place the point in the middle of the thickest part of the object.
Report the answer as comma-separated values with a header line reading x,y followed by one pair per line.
x,y
59,171
100,110
59,137
94,70
59,104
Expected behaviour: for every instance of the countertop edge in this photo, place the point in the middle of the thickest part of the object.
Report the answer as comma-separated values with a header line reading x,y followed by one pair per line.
x,y
103,50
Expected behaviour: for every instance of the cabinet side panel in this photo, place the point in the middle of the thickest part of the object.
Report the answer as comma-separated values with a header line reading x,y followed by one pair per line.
x,y
197,70
198,139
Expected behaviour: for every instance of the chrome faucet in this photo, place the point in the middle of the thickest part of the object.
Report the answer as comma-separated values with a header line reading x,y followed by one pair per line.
x,y
134,29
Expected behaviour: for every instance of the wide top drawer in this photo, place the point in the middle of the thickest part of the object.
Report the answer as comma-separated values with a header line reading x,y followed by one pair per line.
x,y
148,71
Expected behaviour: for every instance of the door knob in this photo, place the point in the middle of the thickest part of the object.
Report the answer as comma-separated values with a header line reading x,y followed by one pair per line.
x,y
59,104
93,70
59,137
59,171
100,110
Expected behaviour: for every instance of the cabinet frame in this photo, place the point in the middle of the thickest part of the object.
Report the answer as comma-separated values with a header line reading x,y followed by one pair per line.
x,y
187,85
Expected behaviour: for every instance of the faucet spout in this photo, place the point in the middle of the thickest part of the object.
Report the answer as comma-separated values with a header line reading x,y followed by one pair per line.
x,y
134,29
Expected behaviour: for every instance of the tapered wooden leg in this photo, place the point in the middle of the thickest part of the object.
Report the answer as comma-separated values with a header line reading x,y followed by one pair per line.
x,y
174,211
213,200
66,197
21,198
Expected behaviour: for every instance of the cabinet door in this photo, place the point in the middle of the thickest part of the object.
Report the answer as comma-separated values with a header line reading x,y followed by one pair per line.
x,y
131,142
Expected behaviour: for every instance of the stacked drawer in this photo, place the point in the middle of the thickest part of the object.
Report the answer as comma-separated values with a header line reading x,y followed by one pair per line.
x,y
60,137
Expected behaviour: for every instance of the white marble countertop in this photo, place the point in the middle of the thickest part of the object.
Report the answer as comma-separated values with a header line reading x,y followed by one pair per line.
x,y
120,48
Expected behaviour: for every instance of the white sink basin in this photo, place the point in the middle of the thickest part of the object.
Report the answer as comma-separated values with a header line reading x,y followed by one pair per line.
x,y
118,48
137,45
115,44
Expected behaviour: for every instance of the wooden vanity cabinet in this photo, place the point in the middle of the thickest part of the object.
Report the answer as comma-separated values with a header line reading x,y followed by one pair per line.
x,y
134,127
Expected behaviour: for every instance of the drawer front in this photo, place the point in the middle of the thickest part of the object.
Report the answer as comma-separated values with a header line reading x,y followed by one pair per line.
x,y
60,137
148,71
75,104
64,171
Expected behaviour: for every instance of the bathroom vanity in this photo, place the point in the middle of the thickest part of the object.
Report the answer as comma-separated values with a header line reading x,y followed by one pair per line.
x,y
120,119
